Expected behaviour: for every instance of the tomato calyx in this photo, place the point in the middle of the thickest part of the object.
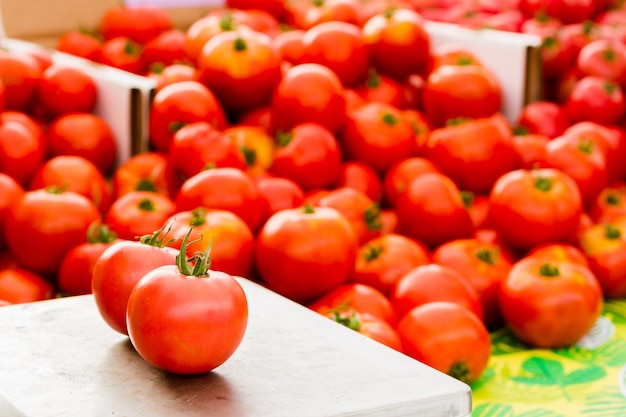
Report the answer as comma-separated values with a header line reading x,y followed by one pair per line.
x,y
458,121
175,127
197,265
100,233
488,256
373,79
283,138
227,22
460,371
157,238
468,198
239,44
56,189
389,12
198,217
345,317
373,252
249,155
611,232
549,270
146,184
372,217
146,204
389,119
585,146
308,209
131,48
610,87
543,183
613,199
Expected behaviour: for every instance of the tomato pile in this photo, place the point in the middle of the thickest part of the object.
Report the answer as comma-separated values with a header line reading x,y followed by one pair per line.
x,y
325,150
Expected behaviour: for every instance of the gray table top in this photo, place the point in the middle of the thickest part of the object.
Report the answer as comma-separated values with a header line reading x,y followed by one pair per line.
x,y
59,358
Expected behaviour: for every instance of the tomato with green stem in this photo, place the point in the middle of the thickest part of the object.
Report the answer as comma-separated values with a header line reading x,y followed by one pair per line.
x,y
187,318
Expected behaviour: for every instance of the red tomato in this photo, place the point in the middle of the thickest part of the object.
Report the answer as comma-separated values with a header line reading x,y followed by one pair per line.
x,y
596,99
550,304
559,252
483,265
571,11
447,337
255,146
474,153
362,212
76,269
397,178
362,177
288,45
313,12
357,297
20,74
531,149
432,282
22,149
64,89
79,43
138,213
378,135
604,58
382,261
73,173
609,204
379,87
83,134
397,41
167,48
309,93
367,325
223,188
604,245
278,194
201,30
10,192
48,222
173,73
122,53
303,253
432,211
230,239
146,171
198,146
255,18
531,207
21,285
120,267
241,68
140,23
454,91
581,158
308,154
543,117
187,320
277,8
179,104
340,47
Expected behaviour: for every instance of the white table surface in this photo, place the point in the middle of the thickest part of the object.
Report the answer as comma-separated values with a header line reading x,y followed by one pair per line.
x,y
59,358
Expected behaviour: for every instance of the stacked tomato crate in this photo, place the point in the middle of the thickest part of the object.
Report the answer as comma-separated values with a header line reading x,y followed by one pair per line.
x,y
361,158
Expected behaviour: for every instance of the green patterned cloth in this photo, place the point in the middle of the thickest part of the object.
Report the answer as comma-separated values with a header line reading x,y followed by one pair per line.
x,y
586,380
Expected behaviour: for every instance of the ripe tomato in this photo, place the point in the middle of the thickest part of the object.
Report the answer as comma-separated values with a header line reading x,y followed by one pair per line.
x,y
83,134
313,12
309,93
559,252
531,207
22,149
550,304
79,43
447,337
397,42
308,154
120,267
433,282
543,117
378,135
596,99
288,45
230,238
64,89
10,192
122,53
454,91
223,188
76,269
255,146
179,104
138,213
603,58
604,245
609,204
305,252
483,265
474,153
278,194
20,74
241,68
362,177
380,87
583,159
145,171
368,325
140,23
187,318
48,222
340,47
382,261
198,146
169,74
432,211
21,285
571,11
531,149
358,297
397,178
201,30
167,48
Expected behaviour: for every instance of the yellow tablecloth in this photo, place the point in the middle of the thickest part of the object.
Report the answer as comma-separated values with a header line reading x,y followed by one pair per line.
x,y
586,380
